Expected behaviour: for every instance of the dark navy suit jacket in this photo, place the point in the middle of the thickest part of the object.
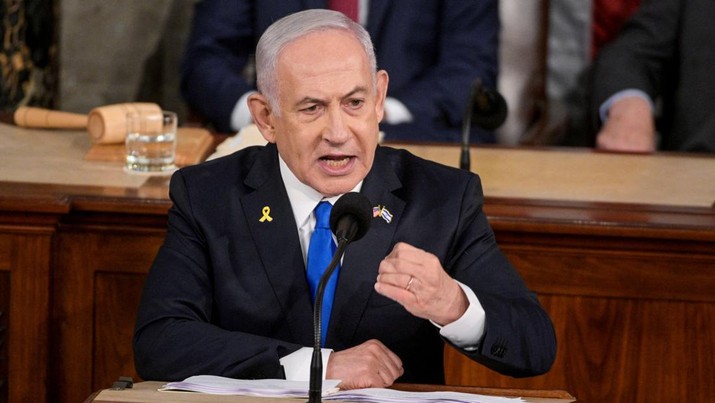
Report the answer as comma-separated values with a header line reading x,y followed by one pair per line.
x,y
432,50
227,293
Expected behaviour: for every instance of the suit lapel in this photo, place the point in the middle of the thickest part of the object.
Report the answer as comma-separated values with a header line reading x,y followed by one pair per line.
x,y
277,244
279,248
362,258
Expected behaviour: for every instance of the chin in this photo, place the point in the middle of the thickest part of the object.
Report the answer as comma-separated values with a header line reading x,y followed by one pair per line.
x,y
338,187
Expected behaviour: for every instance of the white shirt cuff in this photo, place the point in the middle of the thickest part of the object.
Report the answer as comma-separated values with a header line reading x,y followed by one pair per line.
x,y
466,331
396,112
297,364
631,92
241,115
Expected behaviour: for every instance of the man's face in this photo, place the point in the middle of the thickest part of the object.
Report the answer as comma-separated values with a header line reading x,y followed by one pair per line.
x,y
327,131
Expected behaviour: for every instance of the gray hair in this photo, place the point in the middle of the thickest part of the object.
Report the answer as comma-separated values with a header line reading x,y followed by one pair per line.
x,y
295,26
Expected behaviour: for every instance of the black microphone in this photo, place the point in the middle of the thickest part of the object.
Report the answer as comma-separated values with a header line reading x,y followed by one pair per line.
x,y
487,109
349,221
350,217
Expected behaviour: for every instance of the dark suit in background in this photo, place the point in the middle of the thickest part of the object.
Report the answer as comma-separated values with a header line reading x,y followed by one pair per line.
x,y
668,51
432,49
228,295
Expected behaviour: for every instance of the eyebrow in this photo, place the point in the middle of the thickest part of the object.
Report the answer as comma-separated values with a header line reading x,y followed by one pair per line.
x,y
311,100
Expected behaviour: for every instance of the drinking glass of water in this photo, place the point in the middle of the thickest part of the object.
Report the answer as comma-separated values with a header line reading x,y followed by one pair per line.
x,y
151,142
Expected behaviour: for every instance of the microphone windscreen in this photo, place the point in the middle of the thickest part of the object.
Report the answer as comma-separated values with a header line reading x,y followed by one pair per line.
x,y
490,109
351,209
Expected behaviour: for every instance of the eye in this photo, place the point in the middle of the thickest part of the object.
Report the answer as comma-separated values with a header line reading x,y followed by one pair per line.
x,y
311,109
355,103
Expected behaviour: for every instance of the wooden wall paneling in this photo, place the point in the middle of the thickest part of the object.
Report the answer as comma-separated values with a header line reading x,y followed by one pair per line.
x,y
4,314
617,350
116,299
5,265
611,274
634,322
25,266
4,322
72,331
99,277
5,251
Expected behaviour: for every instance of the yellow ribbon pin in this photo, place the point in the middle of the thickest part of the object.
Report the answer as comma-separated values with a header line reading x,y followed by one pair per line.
x,y
266,215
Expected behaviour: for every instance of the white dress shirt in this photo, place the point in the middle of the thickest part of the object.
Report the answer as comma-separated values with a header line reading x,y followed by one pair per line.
x,y
631,92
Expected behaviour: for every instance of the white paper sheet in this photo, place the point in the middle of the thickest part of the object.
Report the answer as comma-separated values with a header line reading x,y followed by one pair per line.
x,y
299,389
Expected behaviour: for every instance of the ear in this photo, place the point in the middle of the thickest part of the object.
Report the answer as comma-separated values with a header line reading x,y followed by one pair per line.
x,y
262,115
381,81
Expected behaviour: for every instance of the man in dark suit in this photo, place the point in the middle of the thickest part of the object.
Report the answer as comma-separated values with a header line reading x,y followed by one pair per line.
x,y
227,293
433,50
654,84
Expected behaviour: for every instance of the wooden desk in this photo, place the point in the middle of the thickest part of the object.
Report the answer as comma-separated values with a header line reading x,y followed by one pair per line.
x,y
621,255
146,392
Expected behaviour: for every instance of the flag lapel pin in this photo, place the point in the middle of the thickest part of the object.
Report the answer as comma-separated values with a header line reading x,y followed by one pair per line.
x,y
382,212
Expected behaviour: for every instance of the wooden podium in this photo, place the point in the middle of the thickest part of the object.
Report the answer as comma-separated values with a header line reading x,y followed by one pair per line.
x,y
620,250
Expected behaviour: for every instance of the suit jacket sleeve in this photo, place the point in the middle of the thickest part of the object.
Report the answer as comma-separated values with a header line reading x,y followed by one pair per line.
x,y
519,338
465,48
643,54
443,214
217,50
175,334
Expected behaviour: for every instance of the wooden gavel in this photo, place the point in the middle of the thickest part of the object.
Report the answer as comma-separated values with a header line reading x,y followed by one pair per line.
x,y
105,124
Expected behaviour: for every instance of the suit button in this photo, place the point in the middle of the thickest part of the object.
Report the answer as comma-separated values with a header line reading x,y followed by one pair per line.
x,y
498,350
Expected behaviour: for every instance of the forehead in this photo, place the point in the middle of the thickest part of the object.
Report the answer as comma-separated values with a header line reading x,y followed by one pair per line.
x,y
320,56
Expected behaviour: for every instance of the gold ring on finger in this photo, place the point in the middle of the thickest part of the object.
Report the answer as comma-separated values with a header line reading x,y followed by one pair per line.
x,y
409,284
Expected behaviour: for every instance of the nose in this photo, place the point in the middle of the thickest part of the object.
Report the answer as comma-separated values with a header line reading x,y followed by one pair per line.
x,y
337,130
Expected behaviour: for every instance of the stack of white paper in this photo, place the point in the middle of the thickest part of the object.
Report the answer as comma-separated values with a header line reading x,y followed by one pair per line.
x,y
218,385
281,388
397,396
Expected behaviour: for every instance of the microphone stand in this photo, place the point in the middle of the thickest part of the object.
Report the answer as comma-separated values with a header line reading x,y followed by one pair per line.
x,y
464,159
315,393
487,109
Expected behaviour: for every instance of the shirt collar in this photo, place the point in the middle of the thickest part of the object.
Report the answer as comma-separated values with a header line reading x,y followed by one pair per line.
x,y
302,197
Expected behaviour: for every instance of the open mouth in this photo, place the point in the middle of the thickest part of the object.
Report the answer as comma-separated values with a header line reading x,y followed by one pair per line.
x,y
336,162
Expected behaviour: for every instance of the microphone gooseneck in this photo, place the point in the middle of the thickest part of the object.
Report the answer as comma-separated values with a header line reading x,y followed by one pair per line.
x,y
349,221
316,362
464,159
487,109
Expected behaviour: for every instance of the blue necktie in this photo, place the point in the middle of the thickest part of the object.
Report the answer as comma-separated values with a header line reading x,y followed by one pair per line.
x,y
320,253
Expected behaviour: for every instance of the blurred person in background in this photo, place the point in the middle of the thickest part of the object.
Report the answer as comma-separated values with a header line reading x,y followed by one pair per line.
x,y
433,50
653,86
